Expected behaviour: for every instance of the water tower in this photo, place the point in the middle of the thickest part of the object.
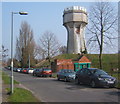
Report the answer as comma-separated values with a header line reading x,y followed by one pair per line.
x,y
75,20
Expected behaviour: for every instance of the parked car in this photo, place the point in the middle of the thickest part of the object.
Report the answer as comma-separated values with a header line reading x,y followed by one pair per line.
x,y
42,72
21,70
18,69
9,67
14,69
30,70
25,70
94,77
36,71
66,75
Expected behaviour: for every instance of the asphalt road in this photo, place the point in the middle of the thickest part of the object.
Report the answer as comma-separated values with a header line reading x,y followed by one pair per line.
x,y
51,90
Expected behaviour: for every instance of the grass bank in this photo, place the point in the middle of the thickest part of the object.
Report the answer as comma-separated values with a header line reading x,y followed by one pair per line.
x,y
109,61
20,94
6,79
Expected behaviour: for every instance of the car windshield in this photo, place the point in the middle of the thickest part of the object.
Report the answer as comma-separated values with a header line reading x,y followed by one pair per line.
x,y
100,72
30,68
69,71
47,69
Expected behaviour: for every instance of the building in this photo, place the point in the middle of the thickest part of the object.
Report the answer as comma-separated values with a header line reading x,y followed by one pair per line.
x,y
82,62
75,20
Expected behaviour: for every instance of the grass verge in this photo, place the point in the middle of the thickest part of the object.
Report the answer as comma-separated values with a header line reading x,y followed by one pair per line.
x,y
22,95
118,85
6,79
117,76
54,75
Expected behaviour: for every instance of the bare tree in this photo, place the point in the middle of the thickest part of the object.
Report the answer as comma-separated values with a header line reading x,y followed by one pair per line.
x,y
102,26
49,45
4,53
40,53
25,46
63,49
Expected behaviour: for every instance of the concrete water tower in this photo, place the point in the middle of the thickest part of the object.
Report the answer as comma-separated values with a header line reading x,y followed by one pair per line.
x,y
75,20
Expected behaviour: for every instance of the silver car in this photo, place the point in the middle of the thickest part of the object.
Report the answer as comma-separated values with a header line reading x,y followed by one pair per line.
x,y
66,75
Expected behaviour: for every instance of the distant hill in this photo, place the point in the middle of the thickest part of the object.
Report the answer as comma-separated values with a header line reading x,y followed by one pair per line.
x,y
109,60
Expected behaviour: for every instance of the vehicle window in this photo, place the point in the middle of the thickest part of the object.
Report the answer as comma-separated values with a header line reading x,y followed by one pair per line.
x,y
37,69
46,69
81,71
60,71
65,71
100,72
86,71
70,71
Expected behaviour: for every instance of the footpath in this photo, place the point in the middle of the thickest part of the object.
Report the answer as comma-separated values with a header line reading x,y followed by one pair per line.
x,y
4,92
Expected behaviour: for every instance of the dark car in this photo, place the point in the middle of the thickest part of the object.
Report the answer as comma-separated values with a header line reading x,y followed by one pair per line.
x,y
36,72
21,70
15,69
44,72
66,75
94,77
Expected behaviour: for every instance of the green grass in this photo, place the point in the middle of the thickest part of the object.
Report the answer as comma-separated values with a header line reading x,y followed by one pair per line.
x,y
67,56
109,61
22,95
6,79
118,85
54,75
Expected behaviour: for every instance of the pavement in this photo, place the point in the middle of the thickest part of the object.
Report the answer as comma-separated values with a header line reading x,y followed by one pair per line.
x,y
4,92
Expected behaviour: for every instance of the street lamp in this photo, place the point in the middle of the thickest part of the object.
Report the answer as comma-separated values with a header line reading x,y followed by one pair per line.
x,y
12,79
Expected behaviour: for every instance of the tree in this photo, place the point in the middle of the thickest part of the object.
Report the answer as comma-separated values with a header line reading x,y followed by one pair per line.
x,y
4,53
49,45
63,49
102,26
25,46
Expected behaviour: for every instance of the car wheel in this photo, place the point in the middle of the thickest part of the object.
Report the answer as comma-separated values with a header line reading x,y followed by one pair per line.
x,y
58,78
33,74
93,84
65,79
77,81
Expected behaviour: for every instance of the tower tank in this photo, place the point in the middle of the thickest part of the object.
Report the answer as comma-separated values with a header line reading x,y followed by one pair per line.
x,y
75,21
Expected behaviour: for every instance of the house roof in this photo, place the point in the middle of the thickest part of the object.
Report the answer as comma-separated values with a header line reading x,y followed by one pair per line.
x,y
81,59
64,61
84,59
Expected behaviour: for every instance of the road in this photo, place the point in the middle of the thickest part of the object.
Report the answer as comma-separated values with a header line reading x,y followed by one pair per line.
x,y
51,90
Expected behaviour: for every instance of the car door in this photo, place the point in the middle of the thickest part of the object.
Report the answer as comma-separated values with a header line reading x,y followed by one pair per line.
x,y
62,74
80,75
37,72
83,76
87,76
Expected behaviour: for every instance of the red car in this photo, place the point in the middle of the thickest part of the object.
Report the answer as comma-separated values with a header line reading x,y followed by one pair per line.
x,y
25,70
42,72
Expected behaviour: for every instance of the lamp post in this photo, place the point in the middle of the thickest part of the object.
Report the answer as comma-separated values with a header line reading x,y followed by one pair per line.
x,y
29,60
12,64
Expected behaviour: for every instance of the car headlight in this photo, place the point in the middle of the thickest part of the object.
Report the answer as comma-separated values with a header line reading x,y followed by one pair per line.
x,y
70,75
101,79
